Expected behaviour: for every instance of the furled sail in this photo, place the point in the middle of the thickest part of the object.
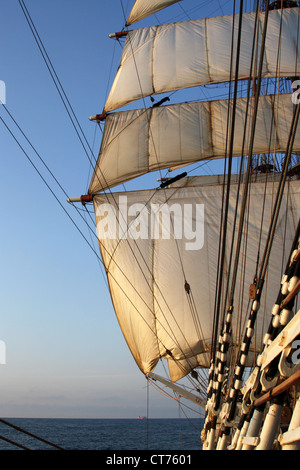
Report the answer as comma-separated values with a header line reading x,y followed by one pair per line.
x,y
160,251
139,141
169,57
143,8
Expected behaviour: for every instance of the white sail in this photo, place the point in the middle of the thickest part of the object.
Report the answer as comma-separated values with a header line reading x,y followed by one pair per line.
x,y
143,8
139,141
197,52
148,270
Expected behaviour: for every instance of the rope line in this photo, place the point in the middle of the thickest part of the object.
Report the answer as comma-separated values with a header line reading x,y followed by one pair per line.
x,y
71,111
18,428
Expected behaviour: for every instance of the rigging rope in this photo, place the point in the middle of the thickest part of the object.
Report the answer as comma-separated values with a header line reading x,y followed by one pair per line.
x,y
226,207
224,341
18,428
76,225
55,78
23,2
253,315
17,444
179,255
70,112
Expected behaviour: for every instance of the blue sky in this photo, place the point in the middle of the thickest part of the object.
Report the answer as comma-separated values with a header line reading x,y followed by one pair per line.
x,y
65,354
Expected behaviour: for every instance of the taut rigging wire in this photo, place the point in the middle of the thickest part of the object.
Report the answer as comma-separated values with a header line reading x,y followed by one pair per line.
x,y
18,428
72,220
270,237
55,79
193,311
70,112
48,186
226,207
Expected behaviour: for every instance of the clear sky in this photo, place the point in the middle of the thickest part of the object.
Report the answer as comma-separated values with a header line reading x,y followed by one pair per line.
x,y
65,354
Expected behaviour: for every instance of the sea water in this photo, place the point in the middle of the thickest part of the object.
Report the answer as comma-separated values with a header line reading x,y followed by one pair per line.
x,y
104,434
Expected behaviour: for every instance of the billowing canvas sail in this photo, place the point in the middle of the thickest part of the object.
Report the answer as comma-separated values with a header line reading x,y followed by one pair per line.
x,y
139,141
143,8
197,52
160,251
